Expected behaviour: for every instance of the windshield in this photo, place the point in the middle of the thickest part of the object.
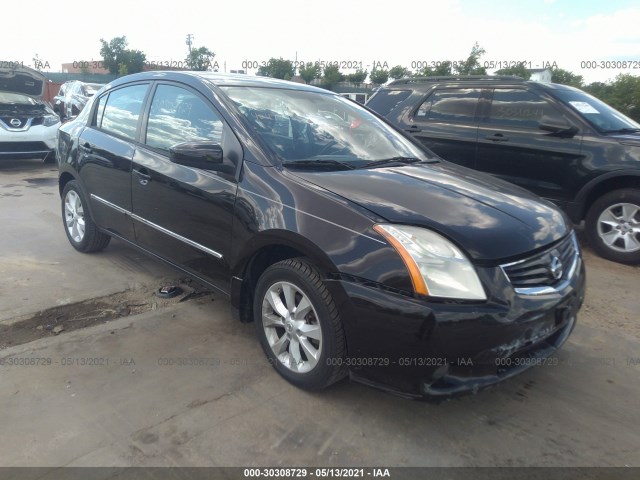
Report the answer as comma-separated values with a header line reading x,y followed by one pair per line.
x,y
305,126
603,117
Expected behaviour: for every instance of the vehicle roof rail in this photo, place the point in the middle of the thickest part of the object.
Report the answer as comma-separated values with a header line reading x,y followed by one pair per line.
x,y
462,78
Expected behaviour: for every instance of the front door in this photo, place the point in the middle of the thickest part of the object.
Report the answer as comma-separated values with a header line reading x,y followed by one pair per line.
x,y
181,213
512,146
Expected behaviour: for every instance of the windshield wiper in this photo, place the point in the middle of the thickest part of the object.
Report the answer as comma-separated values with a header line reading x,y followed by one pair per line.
x,y
395,161
320,164
623,130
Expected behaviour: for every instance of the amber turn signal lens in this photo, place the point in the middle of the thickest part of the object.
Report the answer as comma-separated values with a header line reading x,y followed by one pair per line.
x,y
419,286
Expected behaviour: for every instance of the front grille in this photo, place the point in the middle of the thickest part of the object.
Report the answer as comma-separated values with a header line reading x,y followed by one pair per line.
x,y
9,125
538,271
23,147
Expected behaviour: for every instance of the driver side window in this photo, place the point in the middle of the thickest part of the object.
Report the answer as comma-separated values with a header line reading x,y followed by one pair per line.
x,y
520,108
178,116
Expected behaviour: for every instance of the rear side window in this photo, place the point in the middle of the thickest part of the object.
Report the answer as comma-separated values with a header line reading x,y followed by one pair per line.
x,y
122,110
384,101
450,105
177,116
520,108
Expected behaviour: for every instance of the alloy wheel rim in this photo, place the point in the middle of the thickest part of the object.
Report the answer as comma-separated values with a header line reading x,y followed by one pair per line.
x,y
74,216
619,227
291,326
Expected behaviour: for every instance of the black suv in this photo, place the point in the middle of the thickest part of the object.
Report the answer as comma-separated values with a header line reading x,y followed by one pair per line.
x,y
352,249
555,140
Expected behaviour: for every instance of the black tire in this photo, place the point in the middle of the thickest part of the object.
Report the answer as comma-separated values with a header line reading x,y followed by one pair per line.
x,y
331,364
92,239
621,249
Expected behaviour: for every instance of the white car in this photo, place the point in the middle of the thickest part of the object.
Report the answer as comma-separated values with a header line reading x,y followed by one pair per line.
x,y
28,125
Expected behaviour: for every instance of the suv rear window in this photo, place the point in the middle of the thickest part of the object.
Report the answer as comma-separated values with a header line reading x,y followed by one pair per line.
x,y
384,101
450,105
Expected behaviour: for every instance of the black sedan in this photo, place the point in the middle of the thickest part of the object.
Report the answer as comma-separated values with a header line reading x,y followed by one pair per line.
x,y
353,250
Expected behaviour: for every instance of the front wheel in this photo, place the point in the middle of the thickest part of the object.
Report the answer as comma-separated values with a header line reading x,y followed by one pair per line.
x,y
299,326
613,226
81,231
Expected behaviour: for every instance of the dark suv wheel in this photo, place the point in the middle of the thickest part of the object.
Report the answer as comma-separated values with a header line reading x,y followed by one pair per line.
x,y
298,325
613,226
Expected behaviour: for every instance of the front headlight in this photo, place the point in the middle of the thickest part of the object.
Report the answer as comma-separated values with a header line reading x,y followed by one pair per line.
x,y
437,267
50,120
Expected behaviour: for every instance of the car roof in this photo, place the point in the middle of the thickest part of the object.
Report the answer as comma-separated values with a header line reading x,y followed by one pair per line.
x,y
219,79
428,82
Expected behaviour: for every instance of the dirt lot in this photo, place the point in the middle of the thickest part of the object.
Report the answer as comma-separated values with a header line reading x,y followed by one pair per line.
x,y
97,370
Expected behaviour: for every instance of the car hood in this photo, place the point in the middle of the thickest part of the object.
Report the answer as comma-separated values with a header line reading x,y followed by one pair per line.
x,y
632,139
490,219
24,80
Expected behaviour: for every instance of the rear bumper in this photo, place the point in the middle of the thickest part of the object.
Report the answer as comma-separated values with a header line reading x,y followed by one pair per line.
x,y
426,349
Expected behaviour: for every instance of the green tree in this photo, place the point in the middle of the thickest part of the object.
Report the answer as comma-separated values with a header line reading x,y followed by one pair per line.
x,y
309,71
623,93
519,71
358,77
601,90
277,68
200,59
123,70
399,72
379,76
471,66
626,95
115,54
135,60
559,75
442,69
331,75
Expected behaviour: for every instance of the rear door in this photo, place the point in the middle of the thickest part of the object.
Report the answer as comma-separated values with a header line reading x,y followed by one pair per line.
x,y
445,123
181,213
512,147
105,153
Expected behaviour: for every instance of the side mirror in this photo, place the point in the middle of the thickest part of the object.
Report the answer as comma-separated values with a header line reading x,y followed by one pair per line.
x,y
557,127
199,154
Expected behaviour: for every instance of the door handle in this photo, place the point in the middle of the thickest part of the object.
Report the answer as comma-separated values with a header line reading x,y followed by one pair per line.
x,y
143,176
413,129
497,137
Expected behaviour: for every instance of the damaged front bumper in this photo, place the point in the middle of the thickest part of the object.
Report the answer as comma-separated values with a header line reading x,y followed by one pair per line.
x,y
417,348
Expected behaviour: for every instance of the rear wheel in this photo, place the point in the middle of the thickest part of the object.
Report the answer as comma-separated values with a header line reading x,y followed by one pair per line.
x,y
81,231
298,325
613,226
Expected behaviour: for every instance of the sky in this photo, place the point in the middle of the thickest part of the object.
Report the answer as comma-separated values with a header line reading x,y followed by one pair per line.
x,y
245,33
